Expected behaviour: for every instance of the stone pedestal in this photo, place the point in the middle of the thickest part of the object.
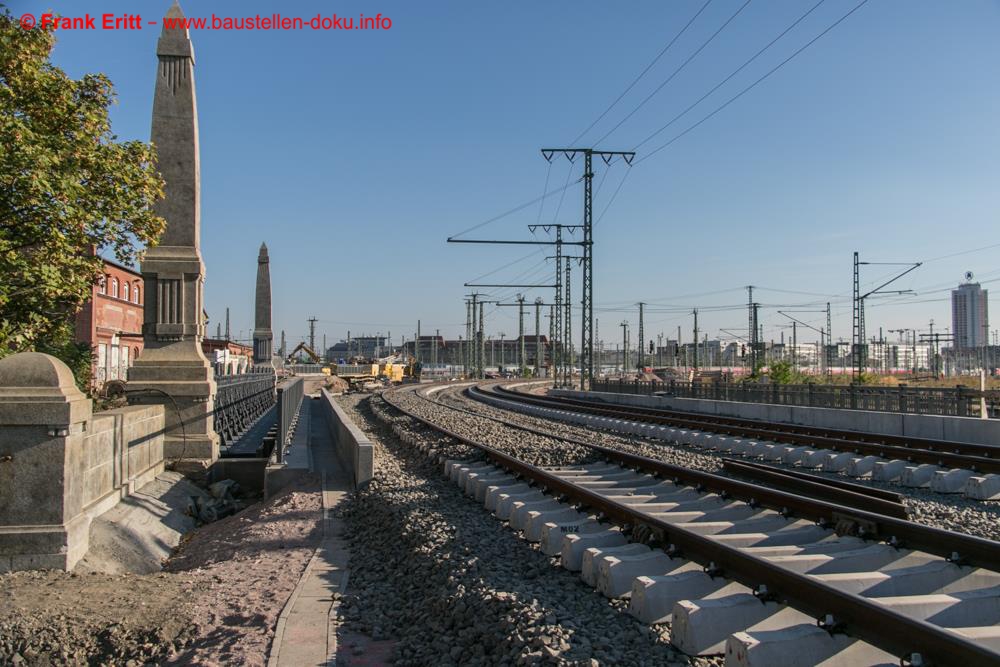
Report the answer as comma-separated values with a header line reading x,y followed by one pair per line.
x,y
43,423
178,376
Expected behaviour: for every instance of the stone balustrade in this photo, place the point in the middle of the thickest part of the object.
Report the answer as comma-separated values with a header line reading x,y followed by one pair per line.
x,y
61,465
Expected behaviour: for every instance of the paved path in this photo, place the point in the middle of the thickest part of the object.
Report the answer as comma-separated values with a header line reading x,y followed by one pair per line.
x,y
306,631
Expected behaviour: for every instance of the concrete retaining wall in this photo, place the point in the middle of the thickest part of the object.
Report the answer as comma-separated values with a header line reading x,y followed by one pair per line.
x,y
958,429
354,449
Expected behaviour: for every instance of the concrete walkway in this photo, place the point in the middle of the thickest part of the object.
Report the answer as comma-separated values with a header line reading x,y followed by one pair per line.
x,y
306,633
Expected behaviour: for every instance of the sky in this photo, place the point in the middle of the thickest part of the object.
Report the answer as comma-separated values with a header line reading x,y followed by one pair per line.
x,y
355,155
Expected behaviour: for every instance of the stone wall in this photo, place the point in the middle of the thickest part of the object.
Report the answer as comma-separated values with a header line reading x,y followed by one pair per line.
x,y
60,464
123,451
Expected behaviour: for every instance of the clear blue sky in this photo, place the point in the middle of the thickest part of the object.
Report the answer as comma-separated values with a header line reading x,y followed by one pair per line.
x,y
354,155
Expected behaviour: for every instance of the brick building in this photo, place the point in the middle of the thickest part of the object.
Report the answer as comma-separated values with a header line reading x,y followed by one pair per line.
x,y
111,322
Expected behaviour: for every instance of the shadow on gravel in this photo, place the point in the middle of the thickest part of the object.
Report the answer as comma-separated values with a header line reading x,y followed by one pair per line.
x,y
434,569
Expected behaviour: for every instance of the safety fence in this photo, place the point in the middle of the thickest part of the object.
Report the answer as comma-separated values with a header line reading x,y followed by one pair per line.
x,y
958,401
290,395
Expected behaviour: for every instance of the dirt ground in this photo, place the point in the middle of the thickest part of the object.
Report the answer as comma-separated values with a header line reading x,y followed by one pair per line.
x,y
216,602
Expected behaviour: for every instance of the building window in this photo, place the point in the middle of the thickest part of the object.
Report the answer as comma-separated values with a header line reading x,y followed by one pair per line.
x,y
102,285
135,293
101,373
114,287
125,294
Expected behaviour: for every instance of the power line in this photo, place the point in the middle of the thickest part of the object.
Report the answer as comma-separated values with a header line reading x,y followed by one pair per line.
x,y
733,73
755,83
676,71
643,72
514,210
614,195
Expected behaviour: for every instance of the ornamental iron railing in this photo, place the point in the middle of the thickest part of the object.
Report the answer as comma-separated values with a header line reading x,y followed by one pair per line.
x,y
241,400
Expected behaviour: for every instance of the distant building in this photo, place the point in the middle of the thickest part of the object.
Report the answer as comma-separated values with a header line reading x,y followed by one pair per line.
x,y
111,322
226,356
369,347
969,316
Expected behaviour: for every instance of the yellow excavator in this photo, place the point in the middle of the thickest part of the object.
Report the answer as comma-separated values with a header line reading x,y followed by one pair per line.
x,y
310,352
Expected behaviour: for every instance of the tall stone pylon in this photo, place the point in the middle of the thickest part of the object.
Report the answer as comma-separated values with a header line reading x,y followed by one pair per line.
x,y
262,336
172,366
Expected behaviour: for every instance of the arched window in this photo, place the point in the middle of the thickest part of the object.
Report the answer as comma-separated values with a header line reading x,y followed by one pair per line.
x,y
135,293
102,285
125,294
114,287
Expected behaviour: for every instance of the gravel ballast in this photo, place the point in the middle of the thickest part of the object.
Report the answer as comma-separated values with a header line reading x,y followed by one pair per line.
x,y
948,511
437,573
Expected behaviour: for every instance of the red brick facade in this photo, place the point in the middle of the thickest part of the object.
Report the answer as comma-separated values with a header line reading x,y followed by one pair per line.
x,y
111,322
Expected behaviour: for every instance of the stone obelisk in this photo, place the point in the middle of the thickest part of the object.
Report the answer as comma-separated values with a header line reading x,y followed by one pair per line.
x,y
262,336
172,366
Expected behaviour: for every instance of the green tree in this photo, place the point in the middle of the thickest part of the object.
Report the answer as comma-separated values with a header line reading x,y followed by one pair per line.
x,y
782,372
66,185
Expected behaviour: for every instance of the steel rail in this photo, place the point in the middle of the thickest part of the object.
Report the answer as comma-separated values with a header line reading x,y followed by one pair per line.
x,y
754,430
891,496
838,500
836,610
868,520
929,444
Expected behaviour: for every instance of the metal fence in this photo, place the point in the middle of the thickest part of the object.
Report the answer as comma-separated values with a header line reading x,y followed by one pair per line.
x,y
304,369
956,401
290,395
240,400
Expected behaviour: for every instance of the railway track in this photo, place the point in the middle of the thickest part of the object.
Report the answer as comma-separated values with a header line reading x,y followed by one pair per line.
x,y
738,567
945,467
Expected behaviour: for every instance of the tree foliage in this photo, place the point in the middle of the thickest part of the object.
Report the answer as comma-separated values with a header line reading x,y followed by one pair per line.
x,y
66,184
782,372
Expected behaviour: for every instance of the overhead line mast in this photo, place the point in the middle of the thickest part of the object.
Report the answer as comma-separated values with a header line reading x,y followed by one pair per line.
x,y
587,317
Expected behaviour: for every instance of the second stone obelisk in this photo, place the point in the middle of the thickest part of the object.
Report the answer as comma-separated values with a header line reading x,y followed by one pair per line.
x,y
262,336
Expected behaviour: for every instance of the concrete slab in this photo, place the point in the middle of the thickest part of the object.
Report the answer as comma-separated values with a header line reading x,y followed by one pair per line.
x,y
889,471
552,533
862,466
590,564
616,573
575,544
809,644
986,487
653,597
702,627
918,476
950,481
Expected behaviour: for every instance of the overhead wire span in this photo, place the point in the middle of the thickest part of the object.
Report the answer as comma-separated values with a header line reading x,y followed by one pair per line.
x,y
545,192
569,173
614,195
753,85
514,210
731,75
505,266
648,67
677,71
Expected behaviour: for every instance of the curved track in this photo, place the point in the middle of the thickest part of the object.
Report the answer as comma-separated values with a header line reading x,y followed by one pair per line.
x,y
946,467
759,565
